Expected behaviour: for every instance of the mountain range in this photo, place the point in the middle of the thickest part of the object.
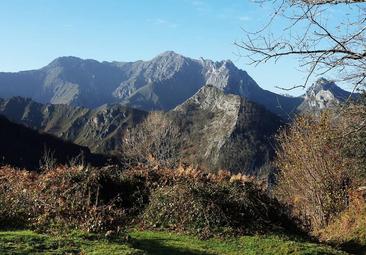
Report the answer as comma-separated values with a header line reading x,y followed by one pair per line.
x,y
225,120
159,84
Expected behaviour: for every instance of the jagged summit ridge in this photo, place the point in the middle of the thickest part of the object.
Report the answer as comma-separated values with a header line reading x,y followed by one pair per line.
x,y
161,83
225,128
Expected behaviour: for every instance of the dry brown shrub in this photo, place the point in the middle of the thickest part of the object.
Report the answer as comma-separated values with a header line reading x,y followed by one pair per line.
x,y
64,197
190,200
16,193
349,228
155,141
101,200
317,164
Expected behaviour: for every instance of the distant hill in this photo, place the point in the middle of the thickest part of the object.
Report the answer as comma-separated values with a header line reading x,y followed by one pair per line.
x,y
23,147
99,129
159,84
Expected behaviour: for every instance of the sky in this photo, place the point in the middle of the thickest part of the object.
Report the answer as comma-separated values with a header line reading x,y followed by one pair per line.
x,y
34,32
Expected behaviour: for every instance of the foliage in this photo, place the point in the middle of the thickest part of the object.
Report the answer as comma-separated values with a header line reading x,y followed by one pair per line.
x,y
353,125
62,197
220,204
349,229
321,159
155,140
16,205
101,200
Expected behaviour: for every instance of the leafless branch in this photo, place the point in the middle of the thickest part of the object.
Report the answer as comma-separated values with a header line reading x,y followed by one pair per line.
x,y
323,44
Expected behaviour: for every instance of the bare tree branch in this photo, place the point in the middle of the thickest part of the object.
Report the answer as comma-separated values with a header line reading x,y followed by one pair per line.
x,y
323,44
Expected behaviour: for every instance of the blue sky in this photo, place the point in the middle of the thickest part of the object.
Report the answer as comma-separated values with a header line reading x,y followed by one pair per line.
x,y
34,32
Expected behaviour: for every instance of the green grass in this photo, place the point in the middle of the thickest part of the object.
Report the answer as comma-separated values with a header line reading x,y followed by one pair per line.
x,y
152,243
168,243
28,242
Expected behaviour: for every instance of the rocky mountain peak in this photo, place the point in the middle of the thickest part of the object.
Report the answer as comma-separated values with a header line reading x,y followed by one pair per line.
x,y
325,87
169,57
169,54
322,84
222,126
324,94
65,61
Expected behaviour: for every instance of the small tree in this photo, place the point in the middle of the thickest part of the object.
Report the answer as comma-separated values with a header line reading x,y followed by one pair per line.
x,y
156,140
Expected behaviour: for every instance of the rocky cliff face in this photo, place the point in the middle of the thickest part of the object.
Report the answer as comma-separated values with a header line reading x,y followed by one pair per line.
x,y
324,94
225,131
213,116
159,84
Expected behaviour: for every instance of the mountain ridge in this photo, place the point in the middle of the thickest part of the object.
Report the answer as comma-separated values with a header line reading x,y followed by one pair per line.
x,y
158,84
217,130
98,129
232,133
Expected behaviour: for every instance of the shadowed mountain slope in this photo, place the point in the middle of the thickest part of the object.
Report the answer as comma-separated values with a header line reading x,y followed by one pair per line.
x,y
99,129
24,148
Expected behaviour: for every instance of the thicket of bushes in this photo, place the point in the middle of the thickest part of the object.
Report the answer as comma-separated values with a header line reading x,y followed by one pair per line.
x,y
349,229
64,197
100,200
216,207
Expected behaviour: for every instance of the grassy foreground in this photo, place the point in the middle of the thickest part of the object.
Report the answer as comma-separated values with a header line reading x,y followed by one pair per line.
x,y
151,243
